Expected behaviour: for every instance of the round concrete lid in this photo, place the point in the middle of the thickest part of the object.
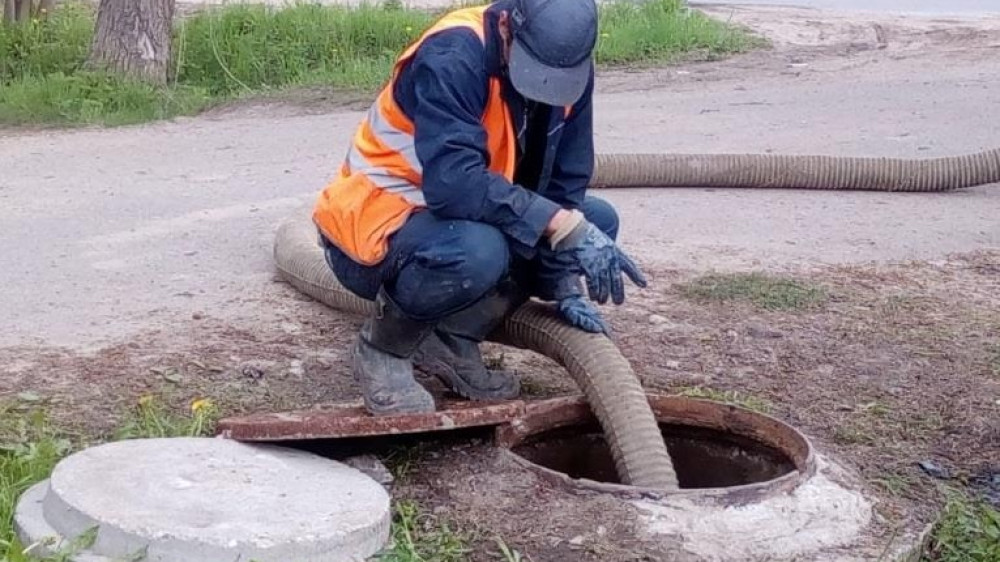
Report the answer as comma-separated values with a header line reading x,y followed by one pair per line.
x,y
192,499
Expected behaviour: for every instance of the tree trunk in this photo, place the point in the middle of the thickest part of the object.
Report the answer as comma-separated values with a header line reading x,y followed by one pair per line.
x,y
133,38
9,12
23,9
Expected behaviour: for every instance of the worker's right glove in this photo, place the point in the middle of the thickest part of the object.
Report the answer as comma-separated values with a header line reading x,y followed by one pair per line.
x,y
580,243
580,313
558,281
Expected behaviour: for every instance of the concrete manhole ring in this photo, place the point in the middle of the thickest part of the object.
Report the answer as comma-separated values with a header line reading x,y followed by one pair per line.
x,y
194,499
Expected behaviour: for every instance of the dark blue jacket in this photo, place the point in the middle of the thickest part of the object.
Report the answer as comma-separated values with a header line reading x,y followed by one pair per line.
x,y
444,90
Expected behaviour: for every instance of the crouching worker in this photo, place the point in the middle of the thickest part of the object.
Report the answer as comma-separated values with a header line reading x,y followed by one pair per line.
x,y
463,193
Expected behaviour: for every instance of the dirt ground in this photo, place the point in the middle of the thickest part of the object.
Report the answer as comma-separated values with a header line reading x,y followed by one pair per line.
x,y
898,365
140,254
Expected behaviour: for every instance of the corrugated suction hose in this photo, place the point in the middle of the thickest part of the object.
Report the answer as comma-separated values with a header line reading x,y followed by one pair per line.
x,y
797,172
594,362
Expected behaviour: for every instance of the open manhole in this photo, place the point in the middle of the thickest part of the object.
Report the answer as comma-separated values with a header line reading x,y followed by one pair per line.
x,y
719,451
794,504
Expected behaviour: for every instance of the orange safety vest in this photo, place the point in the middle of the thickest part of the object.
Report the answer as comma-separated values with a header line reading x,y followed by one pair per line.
x,y
379,185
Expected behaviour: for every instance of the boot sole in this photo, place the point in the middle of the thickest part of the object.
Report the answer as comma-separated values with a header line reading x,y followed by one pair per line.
x,y
459,386
398,410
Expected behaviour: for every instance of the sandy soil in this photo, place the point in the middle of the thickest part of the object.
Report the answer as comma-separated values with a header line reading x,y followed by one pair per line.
x,y
133,252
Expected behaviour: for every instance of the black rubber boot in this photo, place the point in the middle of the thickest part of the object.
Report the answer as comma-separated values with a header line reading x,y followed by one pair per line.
x,y
451,353
382,361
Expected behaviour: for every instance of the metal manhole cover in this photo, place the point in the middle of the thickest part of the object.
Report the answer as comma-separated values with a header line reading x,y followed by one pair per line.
x,y
351,420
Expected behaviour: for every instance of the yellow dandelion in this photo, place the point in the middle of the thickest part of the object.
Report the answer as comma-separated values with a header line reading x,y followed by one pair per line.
x,y
201,404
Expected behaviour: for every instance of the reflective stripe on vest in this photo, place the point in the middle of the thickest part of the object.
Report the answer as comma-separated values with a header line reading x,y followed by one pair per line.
x,y
394,172
379,184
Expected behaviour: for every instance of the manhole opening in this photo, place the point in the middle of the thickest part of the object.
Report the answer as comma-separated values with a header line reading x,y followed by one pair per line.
x,y
702,457
388,446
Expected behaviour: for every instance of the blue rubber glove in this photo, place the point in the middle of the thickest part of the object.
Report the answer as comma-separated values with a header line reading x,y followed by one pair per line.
x,y
600,260
556,282
580,313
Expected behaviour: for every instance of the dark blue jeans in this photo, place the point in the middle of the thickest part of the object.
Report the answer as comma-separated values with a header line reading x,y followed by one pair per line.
x,y
435,267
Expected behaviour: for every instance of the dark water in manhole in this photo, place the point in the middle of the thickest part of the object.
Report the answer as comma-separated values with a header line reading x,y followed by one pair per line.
x,y
703,458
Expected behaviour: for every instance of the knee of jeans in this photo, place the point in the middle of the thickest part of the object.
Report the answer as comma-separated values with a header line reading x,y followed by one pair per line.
x,y
602,215
454,272
486,257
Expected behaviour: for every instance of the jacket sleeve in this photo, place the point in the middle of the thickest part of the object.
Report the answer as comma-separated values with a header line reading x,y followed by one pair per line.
x,y
554,279
451,90
574,160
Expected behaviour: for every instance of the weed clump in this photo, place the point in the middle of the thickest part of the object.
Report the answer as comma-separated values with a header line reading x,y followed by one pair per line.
x,y
968,531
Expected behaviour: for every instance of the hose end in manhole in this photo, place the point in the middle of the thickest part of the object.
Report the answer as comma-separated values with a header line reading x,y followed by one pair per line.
x,y
722,453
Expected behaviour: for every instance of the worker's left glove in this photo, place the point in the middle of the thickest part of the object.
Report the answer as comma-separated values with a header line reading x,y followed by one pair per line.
x,y
581,244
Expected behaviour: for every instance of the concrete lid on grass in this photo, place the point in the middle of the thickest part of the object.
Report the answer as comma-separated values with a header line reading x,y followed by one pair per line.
x,y
192,499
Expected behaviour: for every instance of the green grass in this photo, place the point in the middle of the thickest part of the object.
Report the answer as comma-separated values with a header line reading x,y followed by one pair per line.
x,y
29,449
419,537
151,419
254,47
248,50
735,397
763,291
969,531
662,31
58,44
94,98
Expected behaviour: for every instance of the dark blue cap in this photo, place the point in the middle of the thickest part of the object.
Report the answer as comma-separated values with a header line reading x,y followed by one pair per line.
x,y
551,57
